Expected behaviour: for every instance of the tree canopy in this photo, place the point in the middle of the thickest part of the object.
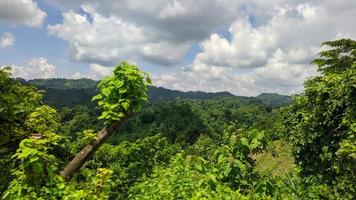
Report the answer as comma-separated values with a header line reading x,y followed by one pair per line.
x,y
322,120
209,148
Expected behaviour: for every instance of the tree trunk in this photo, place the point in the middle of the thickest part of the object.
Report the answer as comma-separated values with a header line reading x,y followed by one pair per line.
x,y
81,157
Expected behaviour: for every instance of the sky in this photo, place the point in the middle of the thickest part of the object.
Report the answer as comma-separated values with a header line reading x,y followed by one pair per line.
x,y
245,47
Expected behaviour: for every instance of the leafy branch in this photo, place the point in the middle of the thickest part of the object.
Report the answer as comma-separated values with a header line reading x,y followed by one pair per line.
x,y
120,95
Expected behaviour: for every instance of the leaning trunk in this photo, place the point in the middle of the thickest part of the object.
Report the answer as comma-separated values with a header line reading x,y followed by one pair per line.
x,y
81,157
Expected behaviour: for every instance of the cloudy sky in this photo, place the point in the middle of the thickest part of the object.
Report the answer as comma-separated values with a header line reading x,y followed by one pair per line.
x,y
245,47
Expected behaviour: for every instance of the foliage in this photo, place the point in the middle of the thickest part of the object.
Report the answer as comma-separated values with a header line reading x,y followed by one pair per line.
x,y
122,93
159,94
277,161
126,161
321,121
83,138
183,121
175,120
274,100
69,97
62,92
97,186
36,173
62,83
74,124
17,101
35,176
216,148
226,173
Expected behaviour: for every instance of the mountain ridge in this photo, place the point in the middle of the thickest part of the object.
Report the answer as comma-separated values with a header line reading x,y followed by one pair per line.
x,y
62,92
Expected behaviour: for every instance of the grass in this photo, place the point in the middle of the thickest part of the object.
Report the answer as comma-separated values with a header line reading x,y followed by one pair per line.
x,y
278,164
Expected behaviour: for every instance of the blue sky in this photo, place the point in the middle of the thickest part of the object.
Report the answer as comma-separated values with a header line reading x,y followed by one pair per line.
x,y
244,47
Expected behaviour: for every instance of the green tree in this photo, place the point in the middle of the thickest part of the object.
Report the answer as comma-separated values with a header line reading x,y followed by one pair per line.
x,y
120,95
35,175
17,101
321,121
224,173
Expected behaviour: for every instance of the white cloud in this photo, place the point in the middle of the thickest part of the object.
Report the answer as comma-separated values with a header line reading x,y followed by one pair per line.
x,y
210,79
77,75
300,28
102,40
7,40
270,49
284,69
35,68
159,32
98,71
178,20
24,12
248,47
277,51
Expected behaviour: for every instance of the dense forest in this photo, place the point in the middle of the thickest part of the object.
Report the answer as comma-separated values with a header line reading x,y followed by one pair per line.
x,y
62,92
123,138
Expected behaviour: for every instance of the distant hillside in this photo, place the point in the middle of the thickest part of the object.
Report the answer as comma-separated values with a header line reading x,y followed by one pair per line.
x,y
157,94
67,92
61,92
62,83
274,100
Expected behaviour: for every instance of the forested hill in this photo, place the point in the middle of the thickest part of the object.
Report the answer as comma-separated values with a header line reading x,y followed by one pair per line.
x,y
157,94
274,100
216,147
68,92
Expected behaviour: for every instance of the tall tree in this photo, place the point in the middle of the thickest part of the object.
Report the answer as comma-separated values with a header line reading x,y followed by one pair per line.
x,y
322,120
17,101
120,95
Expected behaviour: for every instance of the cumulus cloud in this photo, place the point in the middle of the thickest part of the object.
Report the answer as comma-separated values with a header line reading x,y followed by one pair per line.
x,y
178,20
98,71
24,12
35,68
298,30
216,80
159,32
272,55
248,46
77,75
7,40
268,48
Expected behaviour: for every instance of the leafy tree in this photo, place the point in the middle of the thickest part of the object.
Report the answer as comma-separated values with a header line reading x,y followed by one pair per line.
x,y
322,123
226,173
130,161
17,101
120,95
36,173
181,149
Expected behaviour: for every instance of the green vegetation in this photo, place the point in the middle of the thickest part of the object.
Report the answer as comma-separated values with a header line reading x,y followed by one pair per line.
x,y
275,100
68,92
322,120
62,92
180,145
123,93
278,161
